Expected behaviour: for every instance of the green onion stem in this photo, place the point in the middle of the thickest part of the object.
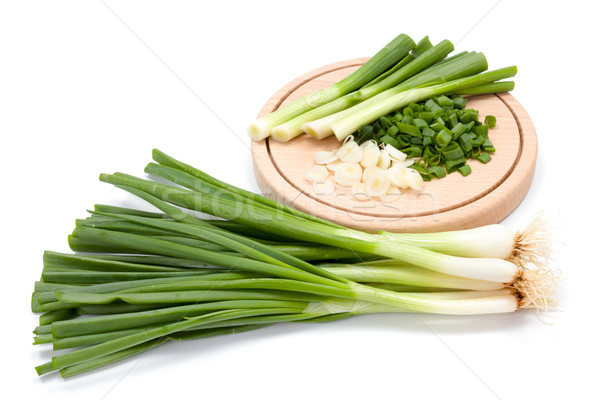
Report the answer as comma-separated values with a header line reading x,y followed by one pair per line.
x,y
392,100
98,362
379,63
422,46
168,161
407,275
459,67
112,346
76,261
199,229
108,323
161,247
494,87
293,127
264,219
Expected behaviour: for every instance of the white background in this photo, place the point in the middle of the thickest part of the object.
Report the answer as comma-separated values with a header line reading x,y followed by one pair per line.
x,y
91,86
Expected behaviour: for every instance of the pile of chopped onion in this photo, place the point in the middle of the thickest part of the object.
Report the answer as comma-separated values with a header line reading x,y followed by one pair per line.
x,y
370,171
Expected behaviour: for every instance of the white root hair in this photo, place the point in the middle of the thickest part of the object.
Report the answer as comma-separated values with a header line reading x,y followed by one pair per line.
x,y
536,288
534,245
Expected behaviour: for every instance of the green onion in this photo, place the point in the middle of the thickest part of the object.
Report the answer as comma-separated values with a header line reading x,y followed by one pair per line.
x,y
293,127
380,62
308,230
484,157
185,292
494,87
422,46
464,170
463,66
490,121
391,100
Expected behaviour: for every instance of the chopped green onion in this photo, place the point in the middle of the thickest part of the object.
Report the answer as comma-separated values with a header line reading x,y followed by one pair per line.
x,y
490,121
484,157
437,171
465,170
443,138
453,165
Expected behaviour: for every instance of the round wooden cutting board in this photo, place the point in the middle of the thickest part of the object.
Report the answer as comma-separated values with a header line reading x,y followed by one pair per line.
x,y
486,196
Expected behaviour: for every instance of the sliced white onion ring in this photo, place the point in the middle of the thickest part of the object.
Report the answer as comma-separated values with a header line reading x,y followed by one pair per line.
x,y
350,152
378,183
392,194
414,179
397,174
316,173
384,159
332,166
369,171
347,174
368,143
406,163
325,157
324,188
370,156
394,153
359,191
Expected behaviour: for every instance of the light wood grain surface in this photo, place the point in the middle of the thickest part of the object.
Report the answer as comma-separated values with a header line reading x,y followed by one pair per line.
x,y
487,195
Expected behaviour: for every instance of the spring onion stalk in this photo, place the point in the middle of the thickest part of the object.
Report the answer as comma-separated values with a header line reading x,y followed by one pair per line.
x,y
222,187
307,252
293,127
453,57
53,316
93,277
267,264
227,225
456,67
532,245
397,273
110,358
457,302
379,63
459,67
53,259
422,46
494,87
473,265
392,100
420,302
477,268
144,347
109,323
221,206
79,332
77,356
198,228
500,301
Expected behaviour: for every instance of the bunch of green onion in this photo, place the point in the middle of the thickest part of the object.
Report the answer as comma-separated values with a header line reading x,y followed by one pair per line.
x,y
141,278
401,73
